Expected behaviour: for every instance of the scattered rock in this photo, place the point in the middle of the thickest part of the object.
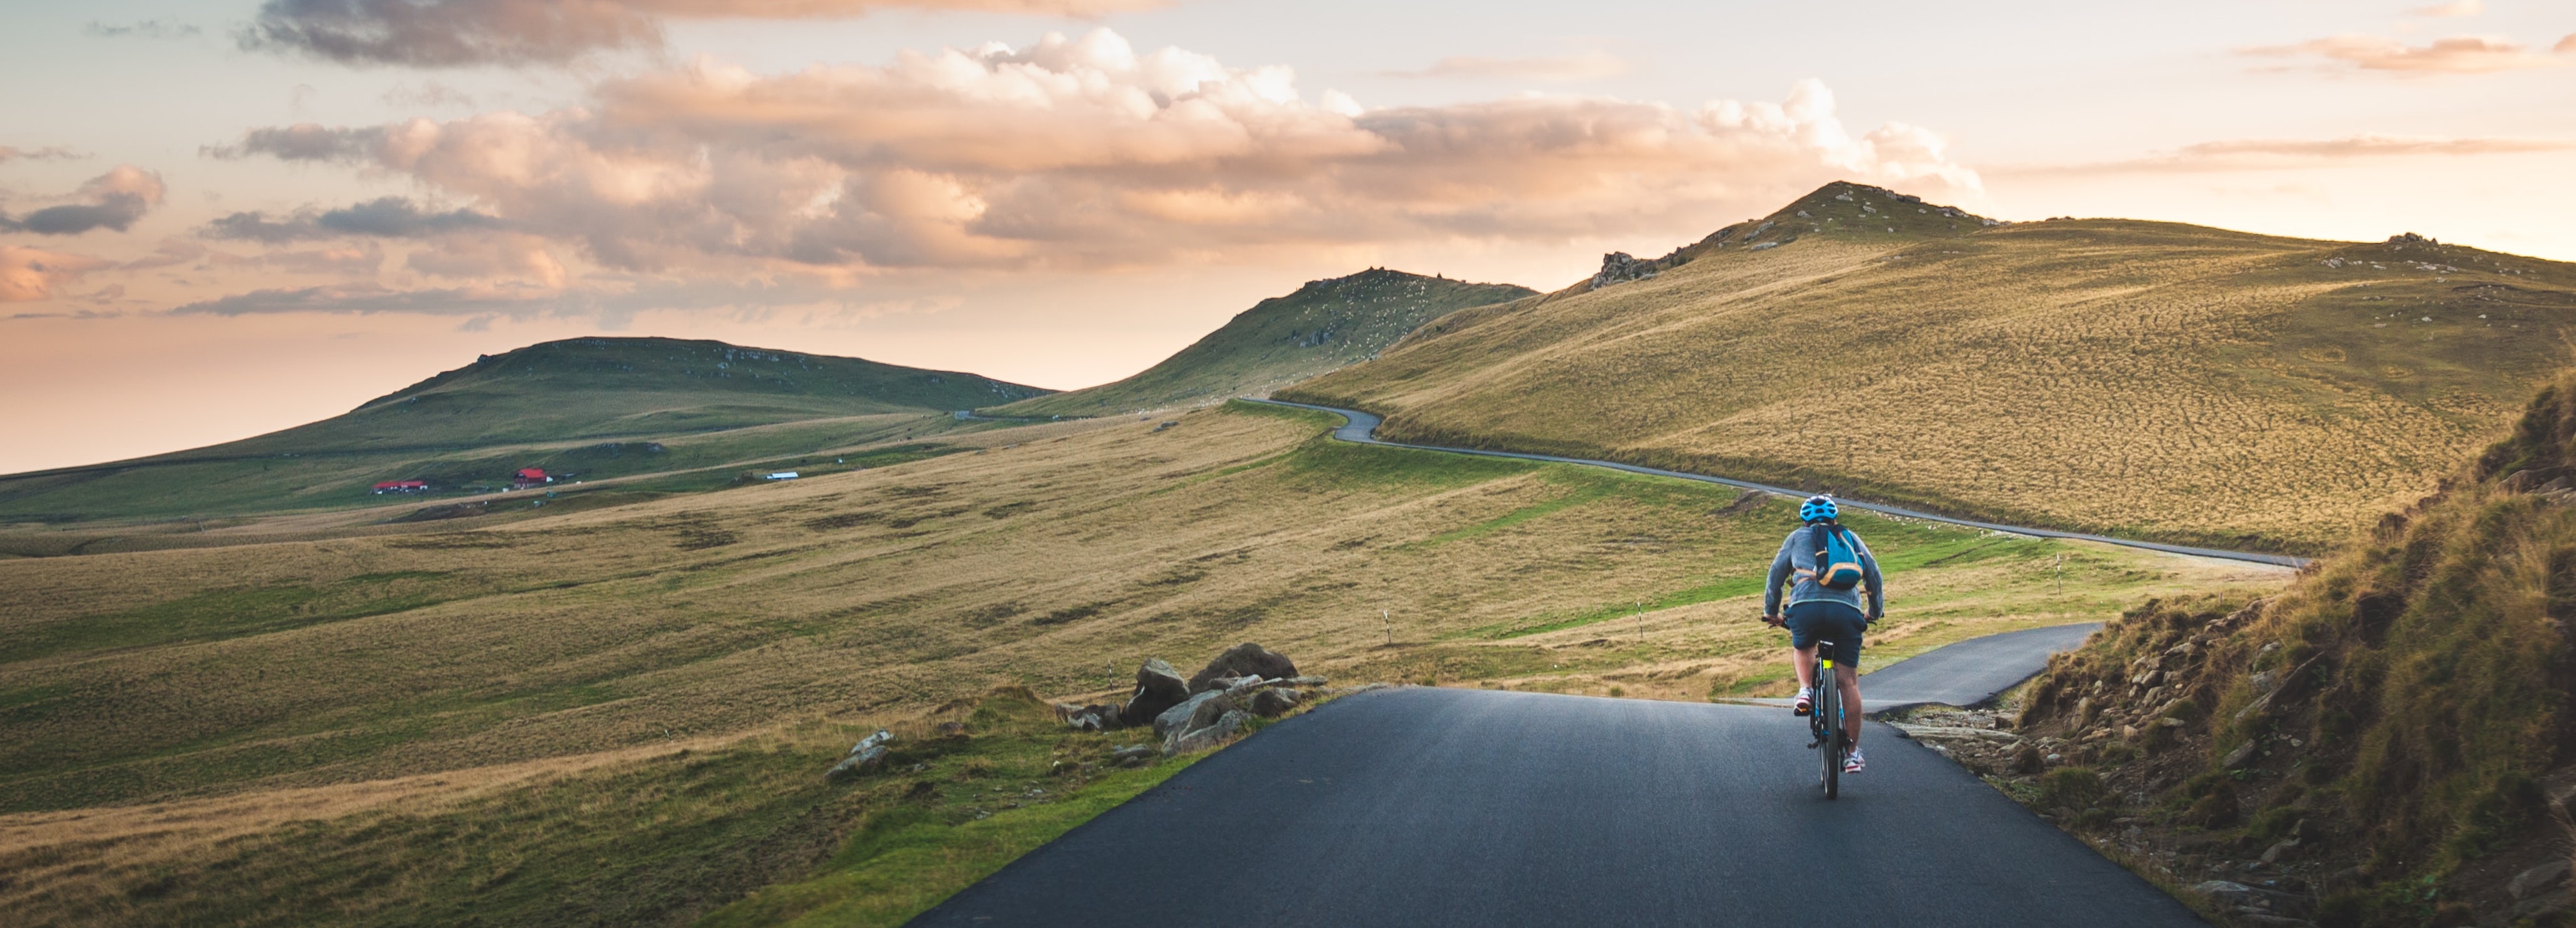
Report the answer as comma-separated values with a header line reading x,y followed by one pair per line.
x,y
2537,906
1177,718
2538,879
868,753
1243,660
2236,759
1207,736
2279,849
1272,703
1158,688
1133,755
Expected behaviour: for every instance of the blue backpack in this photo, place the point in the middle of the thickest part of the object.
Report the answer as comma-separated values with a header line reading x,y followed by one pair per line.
x,y
1838,564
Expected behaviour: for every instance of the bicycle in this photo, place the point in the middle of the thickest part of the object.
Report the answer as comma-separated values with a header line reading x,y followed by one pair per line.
x,y
1825,721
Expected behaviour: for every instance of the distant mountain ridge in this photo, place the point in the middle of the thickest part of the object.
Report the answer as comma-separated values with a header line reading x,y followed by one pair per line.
x,y
638,385
1324,325
708,401
2151,379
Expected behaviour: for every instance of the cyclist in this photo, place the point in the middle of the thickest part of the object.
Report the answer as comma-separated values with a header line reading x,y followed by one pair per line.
x,y
1825,604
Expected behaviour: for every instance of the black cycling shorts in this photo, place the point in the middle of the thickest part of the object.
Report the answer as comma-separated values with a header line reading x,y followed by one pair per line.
x,y
1818,620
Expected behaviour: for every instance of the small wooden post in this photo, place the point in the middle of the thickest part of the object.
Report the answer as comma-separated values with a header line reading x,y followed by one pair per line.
x,y
1387,616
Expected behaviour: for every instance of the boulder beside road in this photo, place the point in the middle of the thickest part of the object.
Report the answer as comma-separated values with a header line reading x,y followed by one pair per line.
x,y
1158,687
1243,660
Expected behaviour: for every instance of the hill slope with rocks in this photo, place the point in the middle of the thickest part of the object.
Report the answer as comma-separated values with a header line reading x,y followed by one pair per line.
x,y
2388,742
1325,325
2142,378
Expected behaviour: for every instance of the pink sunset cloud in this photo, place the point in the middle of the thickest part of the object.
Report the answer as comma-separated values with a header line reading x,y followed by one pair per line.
x,y
113,201
1069,154
35,273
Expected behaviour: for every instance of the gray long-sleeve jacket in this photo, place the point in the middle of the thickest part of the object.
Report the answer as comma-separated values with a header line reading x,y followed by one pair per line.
x,y
1798,558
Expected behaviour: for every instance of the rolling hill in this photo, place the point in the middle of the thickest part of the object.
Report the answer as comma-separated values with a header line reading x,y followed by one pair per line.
x,y
1325,325
621,716
594,406
2145,378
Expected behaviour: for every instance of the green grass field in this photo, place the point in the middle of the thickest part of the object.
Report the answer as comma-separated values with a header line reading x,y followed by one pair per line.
x,y
444,722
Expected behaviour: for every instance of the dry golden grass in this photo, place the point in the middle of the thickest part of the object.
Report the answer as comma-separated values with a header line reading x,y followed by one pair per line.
x,y
225,689
2133,377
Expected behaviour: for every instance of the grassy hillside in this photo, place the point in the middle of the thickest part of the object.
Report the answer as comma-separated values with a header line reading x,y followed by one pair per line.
x,y
598,407
619,715
1326,324
2401,717
2145,378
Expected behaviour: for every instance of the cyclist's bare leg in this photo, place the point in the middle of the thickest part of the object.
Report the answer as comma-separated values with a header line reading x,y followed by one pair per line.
x,y
1849,679
1803,661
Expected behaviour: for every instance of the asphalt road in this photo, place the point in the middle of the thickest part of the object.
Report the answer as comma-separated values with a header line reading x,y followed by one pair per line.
x,y
1969,672
1361,427
1423,806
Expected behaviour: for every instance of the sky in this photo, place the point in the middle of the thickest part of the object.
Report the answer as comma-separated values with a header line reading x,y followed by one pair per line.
x,y
223,217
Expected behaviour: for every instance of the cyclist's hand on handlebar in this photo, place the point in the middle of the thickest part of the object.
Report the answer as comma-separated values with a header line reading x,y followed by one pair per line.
x,y
1771,620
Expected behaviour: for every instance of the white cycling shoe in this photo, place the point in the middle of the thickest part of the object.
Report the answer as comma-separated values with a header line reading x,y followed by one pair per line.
x,y
1805,703
1852,762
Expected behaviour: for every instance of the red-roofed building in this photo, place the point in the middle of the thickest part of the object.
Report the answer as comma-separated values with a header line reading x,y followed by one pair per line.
x,y
531,476
402,486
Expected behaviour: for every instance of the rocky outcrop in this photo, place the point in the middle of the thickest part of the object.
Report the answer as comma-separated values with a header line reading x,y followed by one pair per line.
x,y
1619,267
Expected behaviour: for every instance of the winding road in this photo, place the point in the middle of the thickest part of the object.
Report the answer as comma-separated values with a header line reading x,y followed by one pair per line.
x,y
1433,806
1427,806
1361,428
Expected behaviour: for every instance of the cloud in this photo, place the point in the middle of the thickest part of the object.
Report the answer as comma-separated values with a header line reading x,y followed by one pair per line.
x,y
2453,9
371,298
33,273
113,200
299,142
1592,65
452,33
171,251
384,217
1083,154
428,94
51,153
2455,55
2275,154
146,29
2566,45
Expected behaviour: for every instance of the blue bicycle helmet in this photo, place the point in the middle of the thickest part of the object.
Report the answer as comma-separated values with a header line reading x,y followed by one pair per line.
x,y
1819,507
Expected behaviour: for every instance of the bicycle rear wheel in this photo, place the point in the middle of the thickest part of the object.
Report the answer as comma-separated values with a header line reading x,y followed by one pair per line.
x,y
1829,707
